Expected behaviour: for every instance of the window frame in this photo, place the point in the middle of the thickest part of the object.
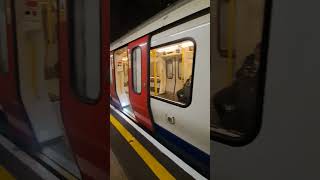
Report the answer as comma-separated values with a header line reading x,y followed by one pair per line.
x,y
193,71
250,136
131,71
71,28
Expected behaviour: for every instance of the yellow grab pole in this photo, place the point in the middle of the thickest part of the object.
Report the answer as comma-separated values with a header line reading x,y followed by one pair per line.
x,y
155,76
182,63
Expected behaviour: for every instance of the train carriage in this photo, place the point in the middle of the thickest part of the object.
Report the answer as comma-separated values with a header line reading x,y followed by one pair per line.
x,y
160,77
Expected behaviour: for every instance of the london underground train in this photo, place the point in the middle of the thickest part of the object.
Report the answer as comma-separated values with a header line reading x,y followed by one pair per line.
x,y
265,90
159,77
53,74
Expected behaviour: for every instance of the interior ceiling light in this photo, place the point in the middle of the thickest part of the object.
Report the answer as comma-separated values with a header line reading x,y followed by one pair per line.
x,y
175,47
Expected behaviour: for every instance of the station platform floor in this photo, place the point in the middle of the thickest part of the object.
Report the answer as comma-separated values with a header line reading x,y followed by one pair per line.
x,y
135,154
16,164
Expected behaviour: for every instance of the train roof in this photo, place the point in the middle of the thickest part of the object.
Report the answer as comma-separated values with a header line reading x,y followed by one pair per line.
x,y
165,17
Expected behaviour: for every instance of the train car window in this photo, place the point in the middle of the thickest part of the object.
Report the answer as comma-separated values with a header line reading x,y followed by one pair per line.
x,y
3,39
86,48
172,67
136,69
238,67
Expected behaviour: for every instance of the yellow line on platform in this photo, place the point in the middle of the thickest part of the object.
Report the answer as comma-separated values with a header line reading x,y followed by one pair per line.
x,y
160,171
5,175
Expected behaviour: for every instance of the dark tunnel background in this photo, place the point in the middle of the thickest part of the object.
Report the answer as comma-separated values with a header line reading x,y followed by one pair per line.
x,y
127,14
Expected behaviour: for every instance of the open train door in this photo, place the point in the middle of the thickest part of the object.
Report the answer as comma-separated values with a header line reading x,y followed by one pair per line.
x,y
83,52
12,113
138,80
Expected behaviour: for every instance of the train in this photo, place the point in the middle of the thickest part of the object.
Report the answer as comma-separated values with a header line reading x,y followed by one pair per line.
x,y
160,78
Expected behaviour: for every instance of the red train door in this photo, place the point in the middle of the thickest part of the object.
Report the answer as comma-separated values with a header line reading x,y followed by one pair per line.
x,y
18,127
138,81
84,53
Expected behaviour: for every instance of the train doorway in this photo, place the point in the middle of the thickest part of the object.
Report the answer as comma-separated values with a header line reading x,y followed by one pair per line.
x,y
59,84
122,78
37,51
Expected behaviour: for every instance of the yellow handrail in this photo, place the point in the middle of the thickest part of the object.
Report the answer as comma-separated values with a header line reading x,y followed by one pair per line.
x,y
155,76
182,64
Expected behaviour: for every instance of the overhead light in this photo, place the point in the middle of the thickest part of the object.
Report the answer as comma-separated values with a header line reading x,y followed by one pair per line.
x,y
167,49
187,44
175,47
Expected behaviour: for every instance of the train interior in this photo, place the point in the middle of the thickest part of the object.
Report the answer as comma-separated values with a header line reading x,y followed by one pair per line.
x,y
37,45
171,71
122,78
237,35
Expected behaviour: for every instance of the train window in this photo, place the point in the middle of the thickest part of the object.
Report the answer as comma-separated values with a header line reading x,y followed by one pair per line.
x,y
172,71
3,39
238,64
86,48
136,69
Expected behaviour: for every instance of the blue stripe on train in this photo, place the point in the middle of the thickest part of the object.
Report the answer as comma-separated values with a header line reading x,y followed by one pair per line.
x,y
193,156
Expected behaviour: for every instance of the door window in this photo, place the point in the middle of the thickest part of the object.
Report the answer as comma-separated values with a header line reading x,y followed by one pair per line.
x,y
3,39
172,72
86,53
136,69
111,67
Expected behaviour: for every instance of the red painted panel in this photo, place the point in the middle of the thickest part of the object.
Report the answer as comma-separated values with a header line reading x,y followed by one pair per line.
x,y
19,128
140,102
87,125
113,92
